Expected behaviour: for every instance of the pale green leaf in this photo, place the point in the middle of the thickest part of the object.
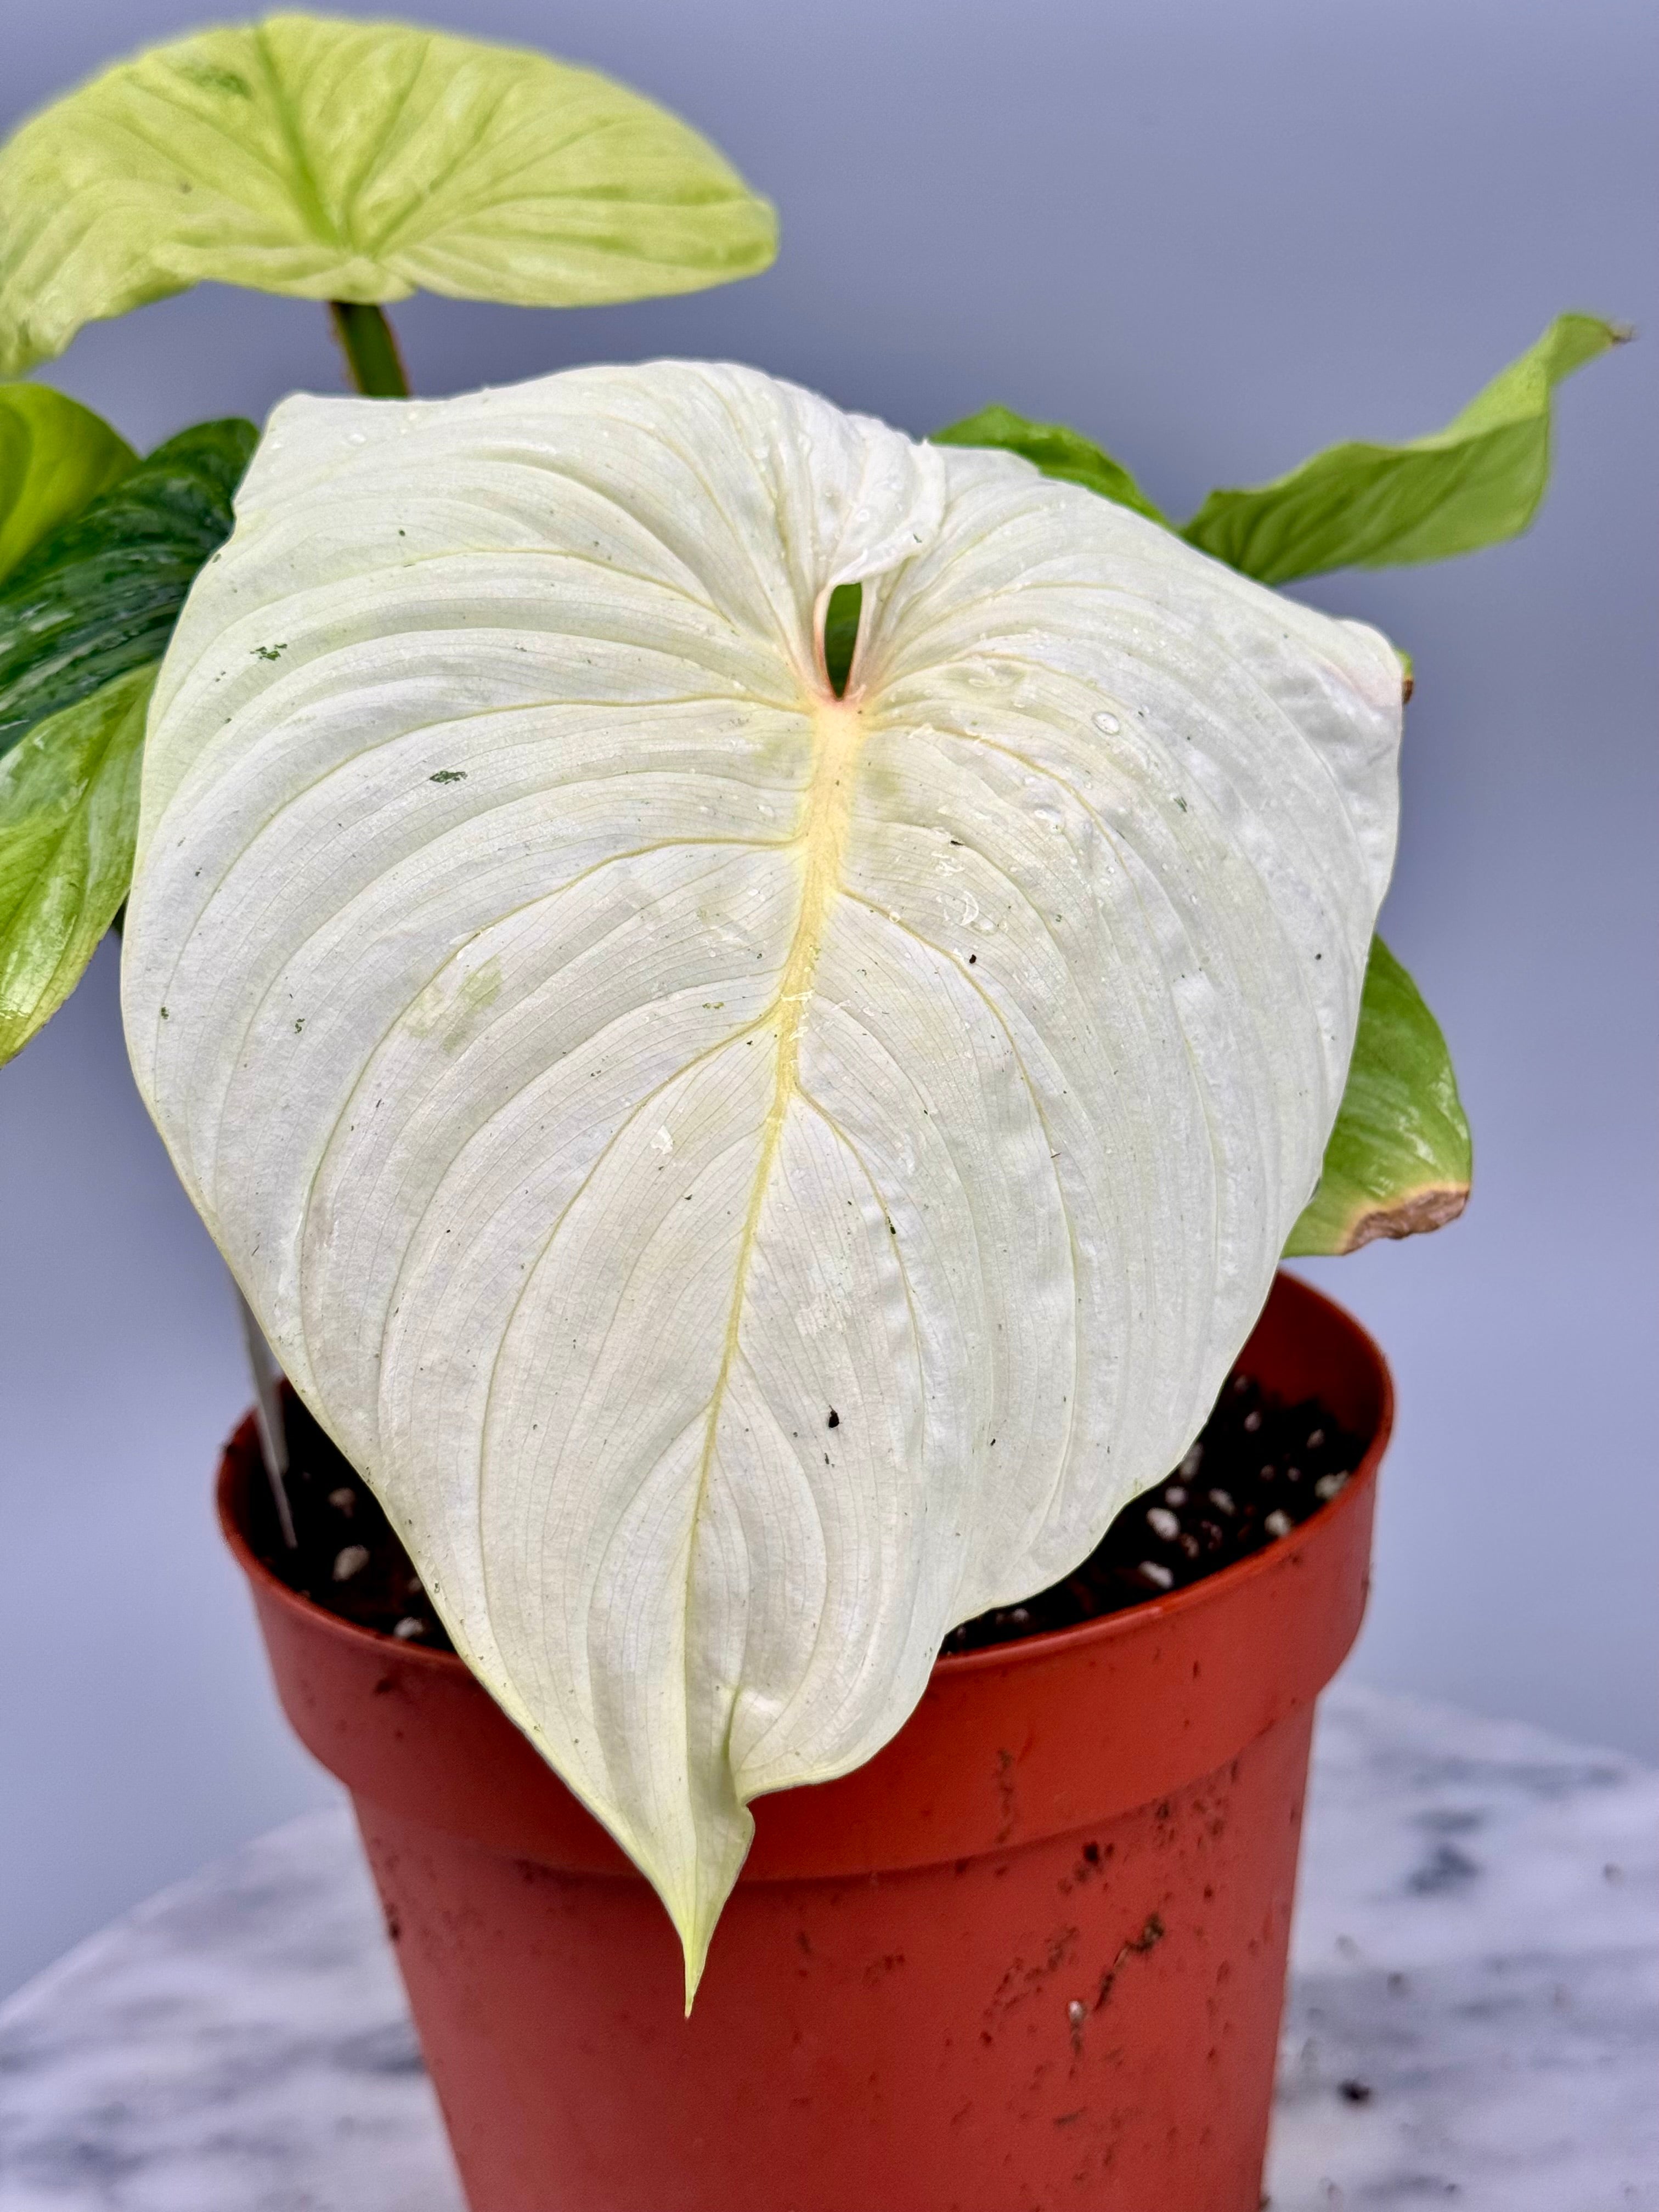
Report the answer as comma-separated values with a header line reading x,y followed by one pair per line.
x,y
1479,480
68,812
55,456
1065,454
752,1177
1399,1159
334,159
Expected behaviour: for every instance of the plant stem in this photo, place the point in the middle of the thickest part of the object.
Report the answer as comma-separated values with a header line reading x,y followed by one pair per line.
x,y
268,1410
370,346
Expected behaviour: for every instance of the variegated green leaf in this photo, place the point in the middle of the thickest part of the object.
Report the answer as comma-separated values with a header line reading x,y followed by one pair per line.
x,y
84,618
69,813
99,595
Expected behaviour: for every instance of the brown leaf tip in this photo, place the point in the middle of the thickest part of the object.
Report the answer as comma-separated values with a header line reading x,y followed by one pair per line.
x,y
1431,1208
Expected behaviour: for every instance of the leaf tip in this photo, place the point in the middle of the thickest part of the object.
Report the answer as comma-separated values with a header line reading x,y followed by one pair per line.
x,y
1414,1214
695,1930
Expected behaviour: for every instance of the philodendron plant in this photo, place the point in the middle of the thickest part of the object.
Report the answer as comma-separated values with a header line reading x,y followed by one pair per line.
x,y
753,1003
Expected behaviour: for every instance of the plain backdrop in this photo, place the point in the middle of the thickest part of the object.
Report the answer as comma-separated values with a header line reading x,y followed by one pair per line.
x,y
1215,234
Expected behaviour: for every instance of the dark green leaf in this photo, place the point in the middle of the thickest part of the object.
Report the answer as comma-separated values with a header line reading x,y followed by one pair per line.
x,y
101,594
54,456
841,634
69,813
1055,450
1479,480
1399,1157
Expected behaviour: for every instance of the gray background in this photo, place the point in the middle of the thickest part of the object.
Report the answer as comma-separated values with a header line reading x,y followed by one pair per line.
x,y
1215,233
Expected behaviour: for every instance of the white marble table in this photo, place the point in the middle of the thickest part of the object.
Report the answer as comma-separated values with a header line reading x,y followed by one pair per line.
x,y
1477,1959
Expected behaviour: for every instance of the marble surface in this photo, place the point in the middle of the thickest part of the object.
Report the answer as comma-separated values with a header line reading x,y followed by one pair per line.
x,y
1473,2018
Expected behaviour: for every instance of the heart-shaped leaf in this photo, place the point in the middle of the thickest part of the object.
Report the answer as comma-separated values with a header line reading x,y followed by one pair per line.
x,y
357,162
69,813
752,1177
55,457
1399,1159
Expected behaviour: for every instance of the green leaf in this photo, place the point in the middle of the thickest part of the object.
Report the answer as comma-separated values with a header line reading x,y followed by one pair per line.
x,y
1357,505
54,456
357,161
1399,1157
841,634
1056,451
69,813
100,596
84,619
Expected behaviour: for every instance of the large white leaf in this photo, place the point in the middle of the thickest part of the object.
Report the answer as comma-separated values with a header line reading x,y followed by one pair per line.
x,y
751,1178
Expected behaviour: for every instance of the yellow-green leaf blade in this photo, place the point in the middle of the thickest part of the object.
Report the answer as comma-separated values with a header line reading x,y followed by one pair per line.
x,y
69,813
56,457
1062,453
1360,504
359,161
1399,1159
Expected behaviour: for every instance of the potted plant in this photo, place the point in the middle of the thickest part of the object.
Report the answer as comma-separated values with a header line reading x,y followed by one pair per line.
x,y
753,1004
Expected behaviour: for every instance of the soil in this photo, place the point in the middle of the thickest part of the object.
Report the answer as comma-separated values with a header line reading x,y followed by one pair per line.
x,y
1258,1470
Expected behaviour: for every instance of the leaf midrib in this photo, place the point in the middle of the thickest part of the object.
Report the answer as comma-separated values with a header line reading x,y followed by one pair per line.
x,y
839,738
307,193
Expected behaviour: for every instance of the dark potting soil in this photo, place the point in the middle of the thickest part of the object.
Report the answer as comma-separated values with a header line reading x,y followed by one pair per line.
x,y
1257,1471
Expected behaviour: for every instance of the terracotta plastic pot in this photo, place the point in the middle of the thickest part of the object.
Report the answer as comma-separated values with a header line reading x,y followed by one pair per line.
x,y
1031,1956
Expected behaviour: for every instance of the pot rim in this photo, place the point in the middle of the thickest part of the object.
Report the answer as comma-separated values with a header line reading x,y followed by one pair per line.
x,y
1032,1650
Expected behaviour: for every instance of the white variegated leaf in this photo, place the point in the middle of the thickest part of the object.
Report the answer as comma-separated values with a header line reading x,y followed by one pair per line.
x,y
608,1060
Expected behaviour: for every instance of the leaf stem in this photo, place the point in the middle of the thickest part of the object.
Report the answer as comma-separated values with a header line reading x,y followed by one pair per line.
x,y
370,346
268,1417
